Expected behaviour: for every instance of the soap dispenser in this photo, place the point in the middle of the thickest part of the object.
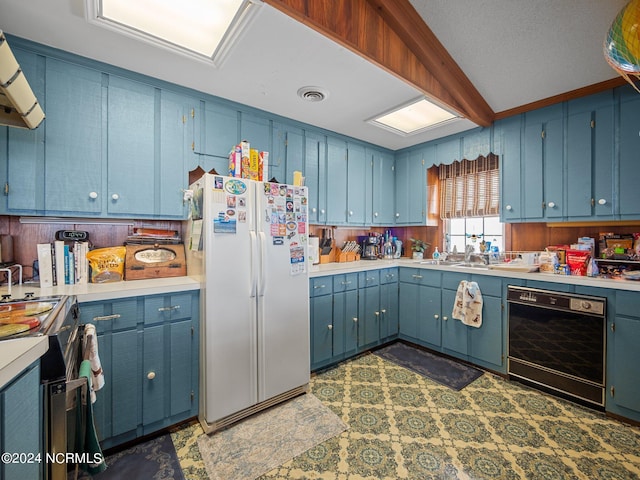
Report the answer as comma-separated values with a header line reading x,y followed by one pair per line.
x,y
436,255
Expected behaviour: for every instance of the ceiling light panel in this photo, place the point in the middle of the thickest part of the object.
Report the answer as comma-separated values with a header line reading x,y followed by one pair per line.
x,y
415,117
197,26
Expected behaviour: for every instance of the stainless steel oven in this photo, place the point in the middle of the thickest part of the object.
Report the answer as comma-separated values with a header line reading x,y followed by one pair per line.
x,y
59,370
557,342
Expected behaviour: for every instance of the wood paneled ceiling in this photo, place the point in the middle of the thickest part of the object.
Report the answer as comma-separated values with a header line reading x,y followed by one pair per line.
x,y
392,35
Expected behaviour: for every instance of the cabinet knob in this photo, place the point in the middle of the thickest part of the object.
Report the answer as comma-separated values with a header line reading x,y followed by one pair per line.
x,y
397,215
377,314
375,214
355,319
602,201
383,311
115,196
330,327
508,208
350,213
314,210
551,204
151,375
93,195
436,316
445,318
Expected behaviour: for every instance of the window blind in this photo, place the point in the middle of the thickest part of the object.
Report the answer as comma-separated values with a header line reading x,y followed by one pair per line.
x,y
470,188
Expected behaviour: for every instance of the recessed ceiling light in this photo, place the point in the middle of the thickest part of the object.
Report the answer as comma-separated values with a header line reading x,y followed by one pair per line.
x,y
415,117
313,94
200,28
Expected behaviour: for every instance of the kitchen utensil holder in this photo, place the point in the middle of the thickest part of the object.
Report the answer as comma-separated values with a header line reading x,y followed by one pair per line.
x,y
343,257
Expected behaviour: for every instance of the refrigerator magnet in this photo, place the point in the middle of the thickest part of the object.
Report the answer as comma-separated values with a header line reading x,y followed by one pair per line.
x,y
278,241
218,183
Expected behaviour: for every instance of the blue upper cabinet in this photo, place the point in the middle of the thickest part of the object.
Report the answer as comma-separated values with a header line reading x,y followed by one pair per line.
x,y
75,146
590,157
315,173
509,131
336,181
358,178
448,151
383,187
476,143
411,185
257,131
131,147
543,164
216,130
629,153
294,155
24,187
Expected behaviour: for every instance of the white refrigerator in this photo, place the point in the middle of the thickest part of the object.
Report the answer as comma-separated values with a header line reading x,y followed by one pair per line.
x,y
248,242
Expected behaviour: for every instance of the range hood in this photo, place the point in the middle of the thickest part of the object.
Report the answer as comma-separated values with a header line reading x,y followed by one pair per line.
x,y
18,104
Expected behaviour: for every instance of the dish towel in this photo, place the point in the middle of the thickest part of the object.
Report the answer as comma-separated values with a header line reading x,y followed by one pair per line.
x,y
467,306
91,354
86,435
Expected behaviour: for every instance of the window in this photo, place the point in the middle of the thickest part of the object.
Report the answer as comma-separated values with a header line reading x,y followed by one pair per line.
x,y
461,232
470,203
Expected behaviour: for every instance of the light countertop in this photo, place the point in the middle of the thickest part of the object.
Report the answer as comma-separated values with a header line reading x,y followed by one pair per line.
x,y
364,265
17,354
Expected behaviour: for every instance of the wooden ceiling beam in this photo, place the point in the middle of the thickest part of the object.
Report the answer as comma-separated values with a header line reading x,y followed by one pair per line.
x,y
392,35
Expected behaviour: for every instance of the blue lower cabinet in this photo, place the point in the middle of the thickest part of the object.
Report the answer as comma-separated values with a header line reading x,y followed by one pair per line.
x,y
321,331
21,425
455,334
345,322
623,357
148,348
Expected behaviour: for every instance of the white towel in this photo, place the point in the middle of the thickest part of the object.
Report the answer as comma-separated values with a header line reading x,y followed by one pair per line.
x,y
467,306
91,354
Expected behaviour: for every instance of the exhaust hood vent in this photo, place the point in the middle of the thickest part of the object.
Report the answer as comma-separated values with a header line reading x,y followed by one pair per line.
x,y
18,104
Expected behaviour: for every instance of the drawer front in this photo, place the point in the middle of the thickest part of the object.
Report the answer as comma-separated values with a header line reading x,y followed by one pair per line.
x,y
345,282
627,303
161,308
388,275
451,280
370,278
420,276
491,286
111,315
320,286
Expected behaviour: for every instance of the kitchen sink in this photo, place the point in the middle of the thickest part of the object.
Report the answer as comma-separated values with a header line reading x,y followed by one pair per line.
x,y
440,262
480,266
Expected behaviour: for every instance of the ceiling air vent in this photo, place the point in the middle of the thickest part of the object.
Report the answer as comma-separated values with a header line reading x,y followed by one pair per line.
x,y
312,94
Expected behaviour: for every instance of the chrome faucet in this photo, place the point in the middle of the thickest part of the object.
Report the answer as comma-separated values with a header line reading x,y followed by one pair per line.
x,y
468,250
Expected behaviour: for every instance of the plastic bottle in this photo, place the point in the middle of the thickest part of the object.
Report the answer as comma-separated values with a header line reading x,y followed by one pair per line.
x,y
436,254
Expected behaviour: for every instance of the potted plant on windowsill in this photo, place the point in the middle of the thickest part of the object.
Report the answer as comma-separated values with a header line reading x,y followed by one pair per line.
x,y
418,247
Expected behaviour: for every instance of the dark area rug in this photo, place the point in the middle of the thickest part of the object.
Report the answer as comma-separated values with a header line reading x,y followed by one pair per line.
x,y
154,459
443,370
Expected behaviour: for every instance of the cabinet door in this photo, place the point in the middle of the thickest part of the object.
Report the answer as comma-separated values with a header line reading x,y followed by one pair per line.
x,y
532,172
183,348
448,151
74,139
629,157
131,148
336,181
408,310
216,132
172,173
321,330
25,170
345,324
358,175
625,388
486,343
454,332
369,307
417,185
294,155
401,215
21,425
510,198
154,374
388,311
383,193
554,169
256,130
579,164
315,150
429,315
603,169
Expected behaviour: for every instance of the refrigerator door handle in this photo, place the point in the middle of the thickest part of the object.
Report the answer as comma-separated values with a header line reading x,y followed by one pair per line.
x,y
254,276
263,252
